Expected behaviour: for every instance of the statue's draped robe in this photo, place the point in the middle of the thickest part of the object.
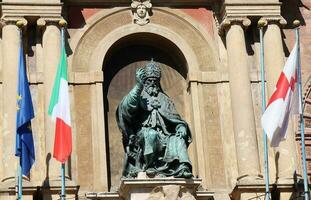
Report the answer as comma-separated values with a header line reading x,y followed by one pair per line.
x,y
154,120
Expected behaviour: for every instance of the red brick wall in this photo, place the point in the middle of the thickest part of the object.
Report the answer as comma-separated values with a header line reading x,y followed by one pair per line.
x,y
78,15
203,16
301,10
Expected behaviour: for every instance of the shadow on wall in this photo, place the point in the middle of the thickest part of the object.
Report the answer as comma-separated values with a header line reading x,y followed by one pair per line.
x,y
291,10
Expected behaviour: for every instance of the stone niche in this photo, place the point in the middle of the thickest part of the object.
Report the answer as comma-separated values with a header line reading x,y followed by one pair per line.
x,y
119,73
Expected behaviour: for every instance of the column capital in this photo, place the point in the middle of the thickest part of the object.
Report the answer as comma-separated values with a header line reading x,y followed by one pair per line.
x,y
43,22
20,22
279,20
227,22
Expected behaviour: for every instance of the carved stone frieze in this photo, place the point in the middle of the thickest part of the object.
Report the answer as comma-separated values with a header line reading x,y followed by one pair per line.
x,y
170,192
141,10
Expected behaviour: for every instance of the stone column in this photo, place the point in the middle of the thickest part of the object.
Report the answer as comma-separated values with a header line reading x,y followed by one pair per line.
x,y
286,153
10,48
51,44
241,101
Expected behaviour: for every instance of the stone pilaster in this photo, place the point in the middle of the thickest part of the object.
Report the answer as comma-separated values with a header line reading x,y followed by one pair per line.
x,y
286,153
51,46
10,47
241,100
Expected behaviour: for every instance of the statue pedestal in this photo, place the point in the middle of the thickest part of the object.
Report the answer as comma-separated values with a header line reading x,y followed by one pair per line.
x,y
144,188
162,188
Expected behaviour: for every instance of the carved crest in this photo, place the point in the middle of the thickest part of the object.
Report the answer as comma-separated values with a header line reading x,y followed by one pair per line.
x,y
141,10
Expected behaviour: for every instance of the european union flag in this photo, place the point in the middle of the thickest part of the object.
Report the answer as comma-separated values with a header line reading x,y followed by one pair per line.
x,y
24,140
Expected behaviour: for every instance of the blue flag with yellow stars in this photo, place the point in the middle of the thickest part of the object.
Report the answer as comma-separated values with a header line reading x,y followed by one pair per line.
x,y
24,140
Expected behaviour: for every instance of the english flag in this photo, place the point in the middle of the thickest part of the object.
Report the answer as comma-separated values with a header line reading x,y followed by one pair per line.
x,y
276,116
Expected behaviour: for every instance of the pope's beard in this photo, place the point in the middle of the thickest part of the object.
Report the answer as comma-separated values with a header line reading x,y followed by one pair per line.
x,y
152,90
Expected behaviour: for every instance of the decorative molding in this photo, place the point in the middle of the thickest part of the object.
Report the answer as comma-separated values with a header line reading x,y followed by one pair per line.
x,y
141,10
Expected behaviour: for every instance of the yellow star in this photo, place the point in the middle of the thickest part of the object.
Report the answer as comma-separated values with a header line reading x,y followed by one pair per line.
x,y
17,107
19,97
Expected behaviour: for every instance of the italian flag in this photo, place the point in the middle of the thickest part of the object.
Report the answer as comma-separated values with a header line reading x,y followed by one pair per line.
x,y
59,110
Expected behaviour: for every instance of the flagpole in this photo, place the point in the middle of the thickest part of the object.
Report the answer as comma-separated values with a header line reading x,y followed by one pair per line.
x,y
20,180
296,23
261,24
63,192
20,25
63,23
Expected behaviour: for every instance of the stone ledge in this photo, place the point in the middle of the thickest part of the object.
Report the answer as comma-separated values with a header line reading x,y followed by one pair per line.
x,y
29,188
102,195
214,77
260,188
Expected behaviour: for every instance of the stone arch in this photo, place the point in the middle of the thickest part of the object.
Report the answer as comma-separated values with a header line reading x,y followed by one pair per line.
x,y
194,41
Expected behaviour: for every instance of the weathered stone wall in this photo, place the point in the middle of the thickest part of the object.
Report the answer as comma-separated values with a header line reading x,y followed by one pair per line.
x,y
203,96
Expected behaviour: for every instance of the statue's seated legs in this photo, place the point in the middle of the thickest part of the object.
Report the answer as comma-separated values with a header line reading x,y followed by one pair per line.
x,y
151,138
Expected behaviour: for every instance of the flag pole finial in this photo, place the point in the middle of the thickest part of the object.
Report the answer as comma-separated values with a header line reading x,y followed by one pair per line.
x,y
62,23
296,23
262,23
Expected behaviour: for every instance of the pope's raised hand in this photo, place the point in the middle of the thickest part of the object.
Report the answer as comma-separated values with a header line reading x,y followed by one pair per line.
x,y
140,73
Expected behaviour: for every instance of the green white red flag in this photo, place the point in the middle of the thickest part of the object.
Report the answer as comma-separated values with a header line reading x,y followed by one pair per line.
x,y
59,110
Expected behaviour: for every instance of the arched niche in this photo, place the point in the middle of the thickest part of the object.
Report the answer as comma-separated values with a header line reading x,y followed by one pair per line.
x,y
119,66
183,48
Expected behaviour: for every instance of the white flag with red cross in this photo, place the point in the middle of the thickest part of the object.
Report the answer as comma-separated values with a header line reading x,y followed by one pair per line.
x,y
276,116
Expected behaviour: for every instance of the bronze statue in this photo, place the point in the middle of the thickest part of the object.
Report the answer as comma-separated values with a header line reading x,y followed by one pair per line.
x,y
155,138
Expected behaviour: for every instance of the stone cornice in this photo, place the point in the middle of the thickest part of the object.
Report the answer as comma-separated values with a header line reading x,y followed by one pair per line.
x,y
228,10
231,11
12,10
154,2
